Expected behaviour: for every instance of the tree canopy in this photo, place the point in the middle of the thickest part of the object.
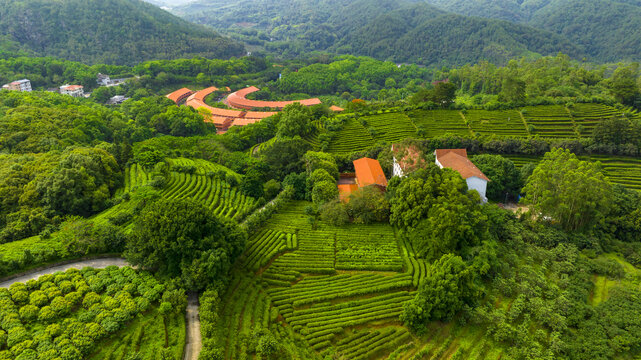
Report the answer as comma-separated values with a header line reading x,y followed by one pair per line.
x,y
569,191
183,238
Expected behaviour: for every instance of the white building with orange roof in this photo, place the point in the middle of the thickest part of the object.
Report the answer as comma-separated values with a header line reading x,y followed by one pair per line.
x,y
456,159
73,90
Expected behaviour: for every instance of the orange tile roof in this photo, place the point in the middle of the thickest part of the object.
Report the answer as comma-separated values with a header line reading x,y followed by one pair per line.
x,y
72,87
369,172
238,100
336,108
243,121
456,159
259,114
179,95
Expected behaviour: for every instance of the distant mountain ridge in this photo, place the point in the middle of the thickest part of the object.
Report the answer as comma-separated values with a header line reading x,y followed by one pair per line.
x,y
108,31
402,31
606,30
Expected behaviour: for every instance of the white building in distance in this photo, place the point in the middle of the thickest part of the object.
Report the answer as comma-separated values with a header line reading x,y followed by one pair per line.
x,y
72,90
20,85
456,159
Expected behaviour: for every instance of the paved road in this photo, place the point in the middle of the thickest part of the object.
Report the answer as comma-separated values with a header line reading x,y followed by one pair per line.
x,y
193,342
96,263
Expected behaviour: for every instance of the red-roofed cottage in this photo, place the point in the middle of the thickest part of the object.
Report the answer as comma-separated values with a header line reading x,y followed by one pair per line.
x,y
368,173
456,159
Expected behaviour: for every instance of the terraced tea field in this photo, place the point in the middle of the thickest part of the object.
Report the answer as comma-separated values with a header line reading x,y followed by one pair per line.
x,y
439,122
390,127
203,186
506,123
546,121
549,121
336,291
352,137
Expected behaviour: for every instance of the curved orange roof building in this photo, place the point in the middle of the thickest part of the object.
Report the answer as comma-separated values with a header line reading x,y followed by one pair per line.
x,y
224,118
180,95
239,100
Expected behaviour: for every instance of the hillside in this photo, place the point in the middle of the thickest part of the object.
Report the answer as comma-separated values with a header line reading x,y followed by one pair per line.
x,y
607,30
388,31
107,31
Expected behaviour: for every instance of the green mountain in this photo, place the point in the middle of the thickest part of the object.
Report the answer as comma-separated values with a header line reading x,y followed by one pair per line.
x,y
401,31
607,30
107,31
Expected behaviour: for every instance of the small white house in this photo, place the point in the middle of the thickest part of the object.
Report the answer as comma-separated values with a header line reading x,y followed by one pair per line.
x,y
456,159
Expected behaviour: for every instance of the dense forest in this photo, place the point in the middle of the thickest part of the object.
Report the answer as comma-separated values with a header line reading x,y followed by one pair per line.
x,y
109,32
605,30
388,32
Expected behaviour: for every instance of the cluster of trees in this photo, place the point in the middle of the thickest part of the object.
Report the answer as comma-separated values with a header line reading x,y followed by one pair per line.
x,y
545,80
481,254
39,189
65,156
354,77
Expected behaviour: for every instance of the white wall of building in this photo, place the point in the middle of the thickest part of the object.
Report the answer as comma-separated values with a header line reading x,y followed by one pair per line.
x,y
478,184
396,169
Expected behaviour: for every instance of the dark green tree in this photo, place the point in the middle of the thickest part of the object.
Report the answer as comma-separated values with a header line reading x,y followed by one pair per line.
x,y
505,178
183,238
448,286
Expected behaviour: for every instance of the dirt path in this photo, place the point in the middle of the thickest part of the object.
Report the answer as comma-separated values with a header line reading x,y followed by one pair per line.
x,y
95,263
193,341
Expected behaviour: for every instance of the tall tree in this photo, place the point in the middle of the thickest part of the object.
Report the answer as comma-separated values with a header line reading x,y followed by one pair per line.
x,y
574,193
183,238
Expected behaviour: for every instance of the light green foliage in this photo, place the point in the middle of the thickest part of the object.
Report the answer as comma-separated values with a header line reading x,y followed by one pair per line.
x,y
66,330
572,192
324,191
623,84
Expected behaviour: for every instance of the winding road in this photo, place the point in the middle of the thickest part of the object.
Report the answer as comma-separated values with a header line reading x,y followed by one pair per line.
x,y
95,263
193,342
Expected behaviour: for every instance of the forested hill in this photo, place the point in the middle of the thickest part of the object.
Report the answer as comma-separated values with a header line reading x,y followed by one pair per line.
x,y
402,31
107,31
607,30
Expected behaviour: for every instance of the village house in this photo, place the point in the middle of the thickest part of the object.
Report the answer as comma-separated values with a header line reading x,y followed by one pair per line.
x,y
368,172
456,159
20,85
72,90
103,80
106,80
116,100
